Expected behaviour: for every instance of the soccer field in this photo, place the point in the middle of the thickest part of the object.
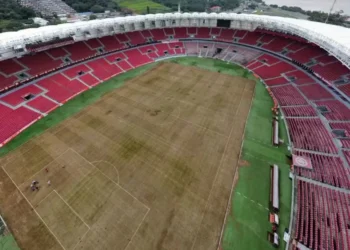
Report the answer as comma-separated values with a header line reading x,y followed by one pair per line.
x,y
148,165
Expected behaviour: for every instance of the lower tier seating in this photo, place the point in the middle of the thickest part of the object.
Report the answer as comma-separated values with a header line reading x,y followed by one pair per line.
x,y
310,134
334,110
322,217
42,104
326,169
14,121
18,96
288,95
315,92
299,111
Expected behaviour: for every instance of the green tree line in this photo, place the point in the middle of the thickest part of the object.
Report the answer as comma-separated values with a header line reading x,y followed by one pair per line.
x,y
14,16
96,6
199,5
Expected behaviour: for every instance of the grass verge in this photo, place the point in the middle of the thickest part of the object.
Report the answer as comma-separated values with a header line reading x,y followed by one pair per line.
x,y
140,6
8,242
247,224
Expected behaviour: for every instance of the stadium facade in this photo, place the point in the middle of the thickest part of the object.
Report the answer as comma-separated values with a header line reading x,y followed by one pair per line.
x,y
334,39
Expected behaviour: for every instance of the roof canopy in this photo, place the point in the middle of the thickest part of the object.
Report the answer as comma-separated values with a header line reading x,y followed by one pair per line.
x,y
334,39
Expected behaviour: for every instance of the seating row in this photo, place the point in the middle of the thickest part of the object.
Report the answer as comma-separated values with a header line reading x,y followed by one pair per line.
x,y
322,217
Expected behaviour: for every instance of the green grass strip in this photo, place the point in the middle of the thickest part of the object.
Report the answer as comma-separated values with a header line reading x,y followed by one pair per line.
x,y
140,6
248,224
8,243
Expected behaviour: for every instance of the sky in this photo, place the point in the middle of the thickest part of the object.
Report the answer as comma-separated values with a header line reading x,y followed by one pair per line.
x,y
321,5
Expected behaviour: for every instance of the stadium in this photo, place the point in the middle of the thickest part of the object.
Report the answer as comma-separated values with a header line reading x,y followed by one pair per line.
x,y
176,131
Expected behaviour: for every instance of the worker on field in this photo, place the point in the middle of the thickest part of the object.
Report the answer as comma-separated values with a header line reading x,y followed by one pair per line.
x,y
49,183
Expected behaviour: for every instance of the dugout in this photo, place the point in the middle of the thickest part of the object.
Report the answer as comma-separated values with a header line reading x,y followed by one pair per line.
x,y
274,188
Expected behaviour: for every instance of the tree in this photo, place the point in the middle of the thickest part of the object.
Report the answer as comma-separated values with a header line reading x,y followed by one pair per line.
x,y
97,9
92,17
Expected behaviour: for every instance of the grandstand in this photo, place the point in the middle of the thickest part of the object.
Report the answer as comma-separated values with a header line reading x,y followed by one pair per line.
x,y
304,65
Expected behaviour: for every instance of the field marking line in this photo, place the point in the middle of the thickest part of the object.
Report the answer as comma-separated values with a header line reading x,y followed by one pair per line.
x,y
148,209
20,185
30,204
71,209
44,198
237,168
110,178
81,239
137,229
116,170
205,128
217,172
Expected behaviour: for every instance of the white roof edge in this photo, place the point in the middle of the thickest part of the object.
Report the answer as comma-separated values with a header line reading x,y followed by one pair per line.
x,y
334,39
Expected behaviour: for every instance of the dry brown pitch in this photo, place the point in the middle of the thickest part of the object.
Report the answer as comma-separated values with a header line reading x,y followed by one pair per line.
x,y
148,166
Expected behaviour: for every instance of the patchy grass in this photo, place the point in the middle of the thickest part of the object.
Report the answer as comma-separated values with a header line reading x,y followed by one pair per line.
x,y
140,6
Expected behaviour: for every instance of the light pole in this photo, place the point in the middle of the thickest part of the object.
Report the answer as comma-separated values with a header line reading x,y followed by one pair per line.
x,y
330,11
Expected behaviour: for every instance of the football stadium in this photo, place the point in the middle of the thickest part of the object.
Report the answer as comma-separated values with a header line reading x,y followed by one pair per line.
x,y
176,131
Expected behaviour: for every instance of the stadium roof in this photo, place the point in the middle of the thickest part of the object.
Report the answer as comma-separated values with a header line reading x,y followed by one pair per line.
x,y
334,39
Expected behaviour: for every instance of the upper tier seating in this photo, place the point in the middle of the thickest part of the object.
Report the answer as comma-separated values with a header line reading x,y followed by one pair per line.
x,y
79,51
6,82
9,67
278,44
57,53
158,35
180,33
203,33
251,38
40,63
136,38
226,35
94,43
110,43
